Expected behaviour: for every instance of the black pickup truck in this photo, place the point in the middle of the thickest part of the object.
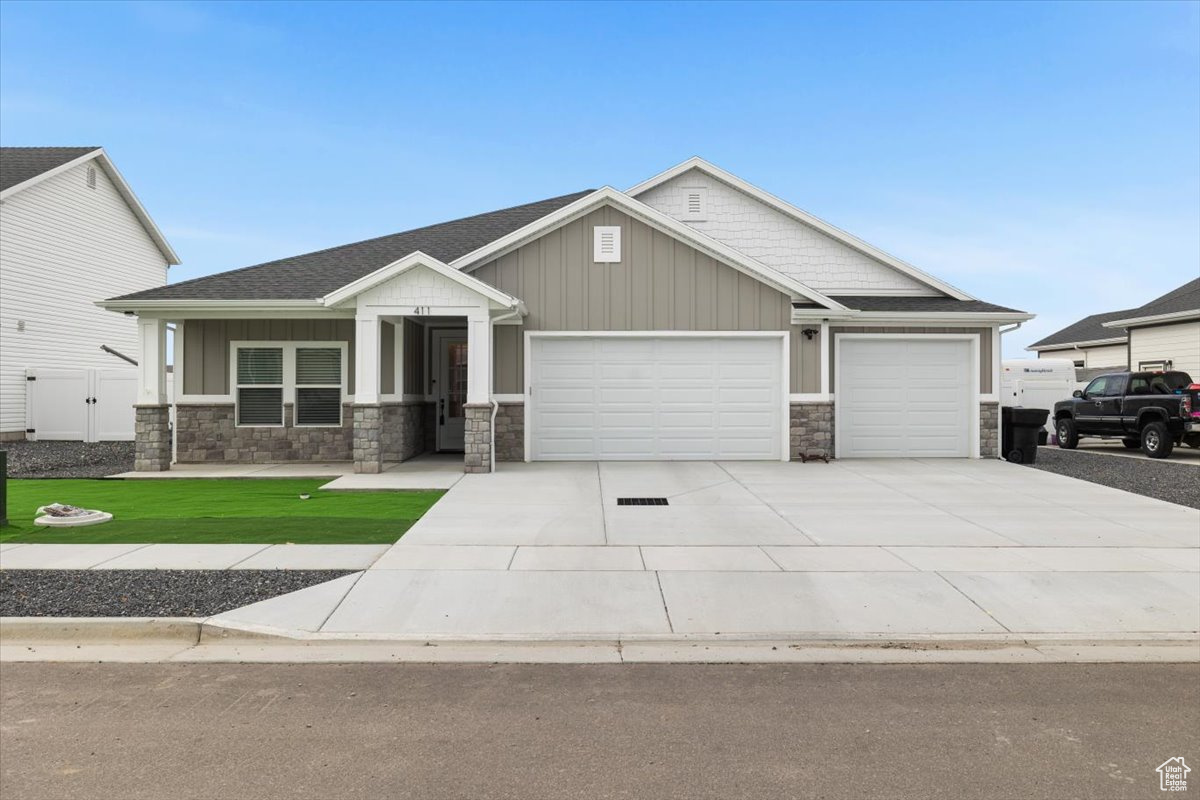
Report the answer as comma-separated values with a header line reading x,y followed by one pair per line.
x,y
1151,410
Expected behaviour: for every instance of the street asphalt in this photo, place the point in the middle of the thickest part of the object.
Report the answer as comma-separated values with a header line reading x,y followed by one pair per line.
x,y
596,731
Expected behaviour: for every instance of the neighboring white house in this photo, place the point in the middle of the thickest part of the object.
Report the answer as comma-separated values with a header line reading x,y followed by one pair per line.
x,y
71,233
1163,334
1087,343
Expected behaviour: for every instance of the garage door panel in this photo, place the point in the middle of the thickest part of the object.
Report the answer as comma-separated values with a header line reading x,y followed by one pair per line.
x,y
904,397
658,398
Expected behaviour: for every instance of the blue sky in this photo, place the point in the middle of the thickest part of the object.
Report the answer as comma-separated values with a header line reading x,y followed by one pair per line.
x,y
1044,156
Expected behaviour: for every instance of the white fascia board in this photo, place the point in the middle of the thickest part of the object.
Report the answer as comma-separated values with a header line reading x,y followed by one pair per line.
x,y
412,261
655,219
1076,345
230,309
123,187
800,215
1178,316
934,318
800,315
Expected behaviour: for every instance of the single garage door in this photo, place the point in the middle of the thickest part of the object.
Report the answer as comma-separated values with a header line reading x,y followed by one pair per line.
x,y
622,398
904,398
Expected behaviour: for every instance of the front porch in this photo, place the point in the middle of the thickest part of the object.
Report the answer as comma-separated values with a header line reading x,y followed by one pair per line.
x,y
392,367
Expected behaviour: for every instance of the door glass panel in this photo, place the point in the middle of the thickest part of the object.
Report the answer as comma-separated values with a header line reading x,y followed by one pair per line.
x,y
457,390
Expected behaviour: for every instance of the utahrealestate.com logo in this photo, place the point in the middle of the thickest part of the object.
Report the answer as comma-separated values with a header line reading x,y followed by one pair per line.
x,y
1172,775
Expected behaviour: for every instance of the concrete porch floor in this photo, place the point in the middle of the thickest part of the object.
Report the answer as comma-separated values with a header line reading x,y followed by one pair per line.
x,y
430,471
903,548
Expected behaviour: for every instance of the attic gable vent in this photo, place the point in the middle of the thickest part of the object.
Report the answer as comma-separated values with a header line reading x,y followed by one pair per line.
x,y
695,203
606,244
91,177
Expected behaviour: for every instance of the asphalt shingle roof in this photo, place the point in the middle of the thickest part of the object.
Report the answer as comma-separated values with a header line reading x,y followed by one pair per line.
x,y
1090,329
314,275
1185,298
19,164
948,305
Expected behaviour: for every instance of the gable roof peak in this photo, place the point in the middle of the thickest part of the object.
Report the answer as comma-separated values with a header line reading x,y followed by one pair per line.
x,y
801,216
24,167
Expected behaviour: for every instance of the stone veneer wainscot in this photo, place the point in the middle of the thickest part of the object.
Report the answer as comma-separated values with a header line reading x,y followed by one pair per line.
x,y
510,432
811,430
210,433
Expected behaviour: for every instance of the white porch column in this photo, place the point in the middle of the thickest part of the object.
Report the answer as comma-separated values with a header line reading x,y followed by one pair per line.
x,y
398,388
479,358
152,362
366,359
477,437
152,417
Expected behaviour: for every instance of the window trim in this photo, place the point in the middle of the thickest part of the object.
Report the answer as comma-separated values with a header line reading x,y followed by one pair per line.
x,y
341,385
289,377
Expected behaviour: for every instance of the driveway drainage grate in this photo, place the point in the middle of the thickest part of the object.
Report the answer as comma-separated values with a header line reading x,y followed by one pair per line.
x,y
641,501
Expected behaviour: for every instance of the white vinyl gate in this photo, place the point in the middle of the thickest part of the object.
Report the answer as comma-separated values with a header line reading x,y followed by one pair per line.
x,y
88,405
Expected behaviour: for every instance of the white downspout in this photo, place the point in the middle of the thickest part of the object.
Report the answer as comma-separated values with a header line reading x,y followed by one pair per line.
x,y
1000,360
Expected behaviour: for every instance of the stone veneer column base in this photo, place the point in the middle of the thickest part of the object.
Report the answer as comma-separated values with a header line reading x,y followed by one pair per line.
x,y
989,430
152,438
368,435
477,437
811,430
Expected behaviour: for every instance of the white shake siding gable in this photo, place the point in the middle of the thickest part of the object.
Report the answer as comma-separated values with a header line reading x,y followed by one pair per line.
x,y
63,246
777,240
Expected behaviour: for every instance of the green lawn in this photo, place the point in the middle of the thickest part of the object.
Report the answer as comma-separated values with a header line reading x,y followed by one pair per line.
x,y
267,511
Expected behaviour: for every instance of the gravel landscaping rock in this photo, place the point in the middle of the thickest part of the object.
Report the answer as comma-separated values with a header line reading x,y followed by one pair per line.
x,y
68,459
1162,480
145,593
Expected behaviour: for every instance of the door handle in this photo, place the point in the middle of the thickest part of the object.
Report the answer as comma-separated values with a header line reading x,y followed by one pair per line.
x,y
442,411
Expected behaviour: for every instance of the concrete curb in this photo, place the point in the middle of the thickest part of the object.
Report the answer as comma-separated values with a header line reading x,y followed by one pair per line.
x,y
204,636
100,630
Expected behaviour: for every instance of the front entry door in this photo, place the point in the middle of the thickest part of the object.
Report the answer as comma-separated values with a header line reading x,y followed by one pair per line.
x,y
450,387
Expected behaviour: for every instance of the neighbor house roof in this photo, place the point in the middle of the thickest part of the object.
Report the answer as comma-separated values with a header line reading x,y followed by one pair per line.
x,y
1089,330
314,275
19,164
1177,304
24,167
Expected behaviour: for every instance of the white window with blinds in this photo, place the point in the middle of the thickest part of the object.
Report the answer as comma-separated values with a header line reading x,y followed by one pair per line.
x,y
319,383
259,373
310,376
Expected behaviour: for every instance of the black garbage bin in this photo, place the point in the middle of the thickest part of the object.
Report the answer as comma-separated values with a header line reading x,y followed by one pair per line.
x,y
1019,433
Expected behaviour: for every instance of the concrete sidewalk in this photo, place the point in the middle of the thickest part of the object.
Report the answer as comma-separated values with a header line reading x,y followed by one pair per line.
x,y
20,555
856,548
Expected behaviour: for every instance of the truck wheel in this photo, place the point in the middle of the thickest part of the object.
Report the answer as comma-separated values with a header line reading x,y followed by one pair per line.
x,y
1156,440
1068,437
1131,444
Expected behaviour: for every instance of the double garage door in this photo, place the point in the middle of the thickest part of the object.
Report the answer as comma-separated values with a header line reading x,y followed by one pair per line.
x,y
623,398
899,397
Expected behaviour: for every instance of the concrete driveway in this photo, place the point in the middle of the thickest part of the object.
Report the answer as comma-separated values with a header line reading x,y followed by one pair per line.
x,y
849,549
